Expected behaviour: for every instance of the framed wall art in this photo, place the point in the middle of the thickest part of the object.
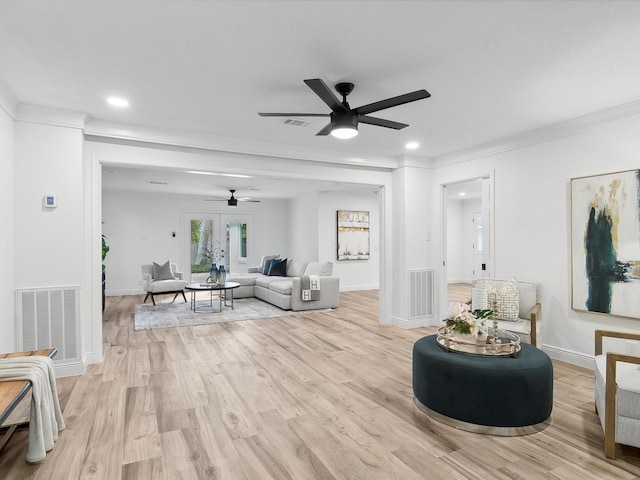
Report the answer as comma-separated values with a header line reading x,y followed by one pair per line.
x,y
605,243
353,235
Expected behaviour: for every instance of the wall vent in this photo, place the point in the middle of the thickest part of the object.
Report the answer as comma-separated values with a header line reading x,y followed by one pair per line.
x,y
294,122
420,293
50,317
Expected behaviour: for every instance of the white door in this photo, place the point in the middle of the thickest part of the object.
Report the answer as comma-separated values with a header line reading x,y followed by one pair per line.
x,y
479,266
202,245
237,234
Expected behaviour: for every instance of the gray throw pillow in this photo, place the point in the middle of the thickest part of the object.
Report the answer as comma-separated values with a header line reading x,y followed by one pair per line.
x,y
162,272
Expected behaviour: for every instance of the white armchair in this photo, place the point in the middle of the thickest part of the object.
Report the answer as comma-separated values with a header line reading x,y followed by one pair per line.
x,y
525,309
162,279
616,387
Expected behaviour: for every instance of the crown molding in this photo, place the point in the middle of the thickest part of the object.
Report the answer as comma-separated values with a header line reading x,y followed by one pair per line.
x,y
8,102
414,161
204,141
540,135
50,116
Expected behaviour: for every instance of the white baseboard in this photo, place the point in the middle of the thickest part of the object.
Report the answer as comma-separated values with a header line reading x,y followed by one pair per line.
x,y
69,369
121,293
351,288
412,323
569,356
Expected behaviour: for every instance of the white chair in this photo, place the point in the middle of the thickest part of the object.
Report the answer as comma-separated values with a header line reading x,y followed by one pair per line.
x,y
616,388
168,283
526,308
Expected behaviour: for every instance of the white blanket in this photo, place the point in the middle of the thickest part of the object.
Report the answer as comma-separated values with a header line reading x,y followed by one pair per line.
x,y
310,287
46,417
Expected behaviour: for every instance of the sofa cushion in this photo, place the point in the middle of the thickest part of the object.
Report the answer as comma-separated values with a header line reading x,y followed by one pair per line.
x,y
243,278
296,268
159,286
278,268
162,272
324,269
264,280
282,286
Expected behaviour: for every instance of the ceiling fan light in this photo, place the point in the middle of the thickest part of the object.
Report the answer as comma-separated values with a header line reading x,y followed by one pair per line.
x,y
344,133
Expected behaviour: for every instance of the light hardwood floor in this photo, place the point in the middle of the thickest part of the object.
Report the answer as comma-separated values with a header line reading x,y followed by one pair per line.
x,y
315,396
459,292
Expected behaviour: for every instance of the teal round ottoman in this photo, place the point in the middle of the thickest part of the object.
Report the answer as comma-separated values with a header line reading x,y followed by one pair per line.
x,y
484,394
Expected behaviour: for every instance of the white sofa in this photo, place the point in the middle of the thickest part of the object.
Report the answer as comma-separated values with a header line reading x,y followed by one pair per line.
x,y
285,291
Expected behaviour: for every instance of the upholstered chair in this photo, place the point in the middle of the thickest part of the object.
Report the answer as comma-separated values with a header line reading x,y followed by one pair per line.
x,y
162,279
616,387
514,303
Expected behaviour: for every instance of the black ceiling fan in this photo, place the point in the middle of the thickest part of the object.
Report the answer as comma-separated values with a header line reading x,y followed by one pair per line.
x,y
344,119
231,201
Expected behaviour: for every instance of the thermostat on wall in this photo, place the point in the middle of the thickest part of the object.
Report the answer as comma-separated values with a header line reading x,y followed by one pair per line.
x,y
50,201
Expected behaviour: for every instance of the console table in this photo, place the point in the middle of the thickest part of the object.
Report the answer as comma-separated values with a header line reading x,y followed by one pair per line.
x,y
497,395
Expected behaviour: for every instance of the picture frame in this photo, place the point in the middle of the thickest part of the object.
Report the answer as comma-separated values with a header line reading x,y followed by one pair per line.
x,y
353,235
605,244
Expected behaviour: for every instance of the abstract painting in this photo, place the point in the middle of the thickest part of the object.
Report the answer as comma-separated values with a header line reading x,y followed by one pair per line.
x,y
353,235
605,243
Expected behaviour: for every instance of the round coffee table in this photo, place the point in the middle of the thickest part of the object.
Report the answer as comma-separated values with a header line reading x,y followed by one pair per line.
x,y
225,292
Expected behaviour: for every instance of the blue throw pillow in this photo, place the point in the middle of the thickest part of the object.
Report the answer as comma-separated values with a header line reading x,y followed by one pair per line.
x,y
278,268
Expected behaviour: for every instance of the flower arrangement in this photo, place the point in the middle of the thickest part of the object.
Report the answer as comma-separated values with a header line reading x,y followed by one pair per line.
x,y
463,320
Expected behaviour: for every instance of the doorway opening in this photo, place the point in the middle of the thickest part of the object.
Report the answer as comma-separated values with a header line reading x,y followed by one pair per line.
x,y
467,213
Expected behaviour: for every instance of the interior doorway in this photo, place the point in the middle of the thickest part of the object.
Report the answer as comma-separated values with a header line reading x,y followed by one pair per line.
x,y
467,211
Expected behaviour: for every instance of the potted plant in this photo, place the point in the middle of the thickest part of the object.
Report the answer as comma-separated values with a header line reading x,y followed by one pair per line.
x,y
465,323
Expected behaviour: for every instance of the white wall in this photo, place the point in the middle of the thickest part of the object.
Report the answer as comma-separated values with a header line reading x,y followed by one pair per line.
x,y
354,274
303,227
532,221
7,220
139,227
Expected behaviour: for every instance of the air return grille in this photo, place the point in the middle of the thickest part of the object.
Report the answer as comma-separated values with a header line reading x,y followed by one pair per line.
x,y
420,293
49,317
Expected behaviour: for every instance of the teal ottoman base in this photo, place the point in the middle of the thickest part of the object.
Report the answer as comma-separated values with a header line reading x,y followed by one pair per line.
x,y
484,394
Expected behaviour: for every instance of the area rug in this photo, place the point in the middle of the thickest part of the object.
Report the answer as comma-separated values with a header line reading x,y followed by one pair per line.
x,y
179,314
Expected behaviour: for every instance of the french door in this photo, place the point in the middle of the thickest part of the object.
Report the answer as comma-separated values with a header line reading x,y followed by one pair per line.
x,y
223,239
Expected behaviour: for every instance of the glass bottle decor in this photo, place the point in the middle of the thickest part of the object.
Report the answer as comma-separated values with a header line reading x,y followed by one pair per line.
x,y
222,275
213,274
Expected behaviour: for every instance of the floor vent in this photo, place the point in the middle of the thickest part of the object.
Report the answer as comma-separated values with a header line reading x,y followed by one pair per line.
x,y
420,293
49,317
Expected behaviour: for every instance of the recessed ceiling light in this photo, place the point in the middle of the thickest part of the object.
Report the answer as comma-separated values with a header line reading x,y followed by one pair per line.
x,y
462,194
118,102
412,145
234,175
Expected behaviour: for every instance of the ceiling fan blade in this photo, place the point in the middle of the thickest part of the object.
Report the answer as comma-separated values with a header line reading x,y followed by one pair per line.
x,y
392,102
262,114
325,131
381,122
215,199
326,94
248,200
